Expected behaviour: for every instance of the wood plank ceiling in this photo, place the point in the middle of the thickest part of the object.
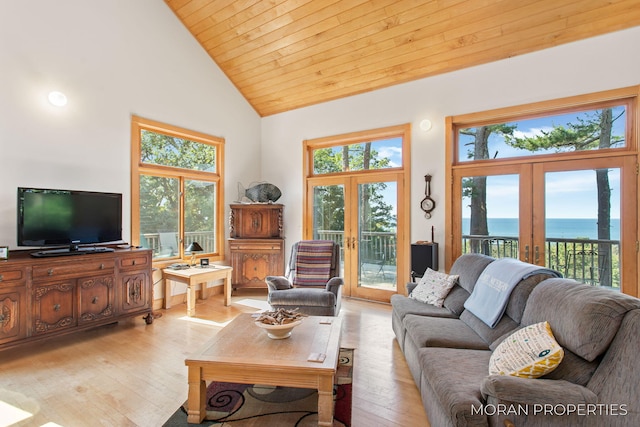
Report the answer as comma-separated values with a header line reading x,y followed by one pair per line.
x,y
287,54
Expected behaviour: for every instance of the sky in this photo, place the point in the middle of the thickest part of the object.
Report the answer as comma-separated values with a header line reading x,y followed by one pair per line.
x,y
570,194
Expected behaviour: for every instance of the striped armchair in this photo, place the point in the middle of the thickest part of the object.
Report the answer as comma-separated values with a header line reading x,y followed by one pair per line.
x,y
312,283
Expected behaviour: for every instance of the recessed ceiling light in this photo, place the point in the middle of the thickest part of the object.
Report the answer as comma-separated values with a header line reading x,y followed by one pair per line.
x,y
58,99
425,125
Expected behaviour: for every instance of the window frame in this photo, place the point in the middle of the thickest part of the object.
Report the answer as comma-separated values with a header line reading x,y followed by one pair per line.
x,y
400,174
138,168
628,96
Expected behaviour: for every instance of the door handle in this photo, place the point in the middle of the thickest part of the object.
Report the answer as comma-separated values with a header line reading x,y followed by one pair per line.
x,y
350,243
537,255
526,253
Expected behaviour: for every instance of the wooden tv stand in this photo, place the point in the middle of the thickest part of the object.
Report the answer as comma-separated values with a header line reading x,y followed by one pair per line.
x,y
42,298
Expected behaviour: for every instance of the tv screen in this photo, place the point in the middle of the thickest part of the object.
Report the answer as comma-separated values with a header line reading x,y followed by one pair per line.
x,y
48,217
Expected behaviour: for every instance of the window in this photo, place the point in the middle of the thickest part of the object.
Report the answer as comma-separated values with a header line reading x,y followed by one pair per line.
x,y
568,132
176,196
374,154
544,183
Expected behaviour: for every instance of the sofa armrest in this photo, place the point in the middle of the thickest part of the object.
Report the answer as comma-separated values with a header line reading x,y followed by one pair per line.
x,y
333,285
527,391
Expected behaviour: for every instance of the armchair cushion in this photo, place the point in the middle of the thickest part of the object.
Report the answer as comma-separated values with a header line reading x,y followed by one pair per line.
x,y
302,297
277,283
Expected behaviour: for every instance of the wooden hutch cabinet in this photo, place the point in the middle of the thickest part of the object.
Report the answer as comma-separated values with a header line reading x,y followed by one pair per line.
x,y
47,297
256,244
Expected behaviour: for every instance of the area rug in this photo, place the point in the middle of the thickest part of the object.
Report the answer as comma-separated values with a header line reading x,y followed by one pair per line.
x,y
247,405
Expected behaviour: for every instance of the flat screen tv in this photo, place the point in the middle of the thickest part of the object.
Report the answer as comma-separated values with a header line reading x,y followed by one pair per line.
x,y
49,217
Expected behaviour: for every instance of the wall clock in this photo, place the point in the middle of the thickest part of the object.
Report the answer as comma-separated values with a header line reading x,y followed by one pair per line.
x,y
427,204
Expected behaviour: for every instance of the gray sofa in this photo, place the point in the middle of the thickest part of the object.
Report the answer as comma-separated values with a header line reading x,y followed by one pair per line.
x,y
448,351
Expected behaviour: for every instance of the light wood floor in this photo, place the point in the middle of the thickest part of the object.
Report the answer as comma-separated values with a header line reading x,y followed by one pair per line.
x,y
133,374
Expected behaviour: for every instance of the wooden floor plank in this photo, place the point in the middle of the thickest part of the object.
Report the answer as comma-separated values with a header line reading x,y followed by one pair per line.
x,y
133,375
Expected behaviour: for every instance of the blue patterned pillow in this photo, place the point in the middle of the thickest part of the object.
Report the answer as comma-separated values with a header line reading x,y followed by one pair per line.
x,y
434,287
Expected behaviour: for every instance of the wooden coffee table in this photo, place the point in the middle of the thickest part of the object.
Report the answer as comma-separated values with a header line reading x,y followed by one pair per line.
x,y
242,353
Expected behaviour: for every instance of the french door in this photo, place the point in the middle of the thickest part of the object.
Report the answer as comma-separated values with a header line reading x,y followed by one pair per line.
x,y
343,209
578,217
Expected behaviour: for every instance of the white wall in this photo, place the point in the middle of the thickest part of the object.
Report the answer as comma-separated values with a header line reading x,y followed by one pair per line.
x,y
606,62
112,58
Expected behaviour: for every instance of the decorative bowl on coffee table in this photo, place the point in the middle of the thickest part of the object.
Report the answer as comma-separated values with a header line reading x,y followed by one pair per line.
x,y
278,332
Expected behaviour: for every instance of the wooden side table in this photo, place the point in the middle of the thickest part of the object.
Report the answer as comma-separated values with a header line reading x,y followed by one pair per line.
x,y
194,276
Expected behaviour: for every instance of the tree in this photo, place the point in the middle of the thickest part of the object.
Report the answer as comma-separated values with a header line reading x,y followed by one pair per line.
x,y
376,215
475,187
593,130
160,195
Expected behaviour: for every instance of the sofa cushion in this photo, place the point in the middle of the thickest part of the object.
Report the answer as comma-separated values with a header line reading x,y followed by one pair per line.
x,y
454,302
441,332
488,334
617,379
584,319
433,287
454,376
529,352
573,369
520,295
469,267
403,306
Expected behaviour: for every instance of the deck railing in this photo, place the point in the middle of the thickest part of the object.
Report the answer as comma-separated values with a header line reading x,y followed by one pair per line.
x,y
374,246
165,245
591,261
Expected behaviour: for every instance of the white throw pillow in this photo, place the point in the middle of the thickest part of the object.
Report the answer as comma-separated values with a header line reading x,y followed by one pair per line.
x,y
530,352
433,287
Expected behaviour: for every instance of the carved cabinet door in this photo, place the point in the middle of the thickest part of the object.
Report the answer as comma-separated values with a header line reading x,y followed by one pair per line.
x,y
134,291
13,323
96,298
255,268
54,307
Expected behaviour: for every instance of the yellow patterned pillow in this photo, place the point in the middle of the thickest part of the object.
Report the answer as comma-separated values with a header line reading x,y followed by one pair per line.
x,y
530,352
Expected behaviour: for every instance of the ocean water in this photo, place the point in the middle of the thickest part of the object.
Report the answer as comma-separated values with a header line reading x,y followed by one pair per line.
x,y
567,228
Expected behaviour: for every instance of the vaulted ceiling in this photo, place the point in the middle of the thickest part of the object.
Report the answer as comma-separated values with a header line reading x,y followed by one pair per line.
x,y
287,54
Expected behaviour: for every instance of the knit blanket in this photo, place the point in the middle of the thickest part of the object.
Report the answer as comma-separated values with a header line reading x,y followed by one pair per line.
x,y
490,296
313,263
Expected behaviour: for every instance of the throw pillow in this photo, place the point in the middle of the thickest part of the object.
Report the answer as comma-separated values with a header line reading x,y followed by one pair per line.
x,y
278,283
433,287
530,352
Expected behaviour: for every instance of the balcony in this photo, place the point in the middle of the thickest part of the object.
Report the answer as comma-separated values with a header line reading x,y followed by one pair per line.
x,y
377,252
594,262
165,245
590,261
